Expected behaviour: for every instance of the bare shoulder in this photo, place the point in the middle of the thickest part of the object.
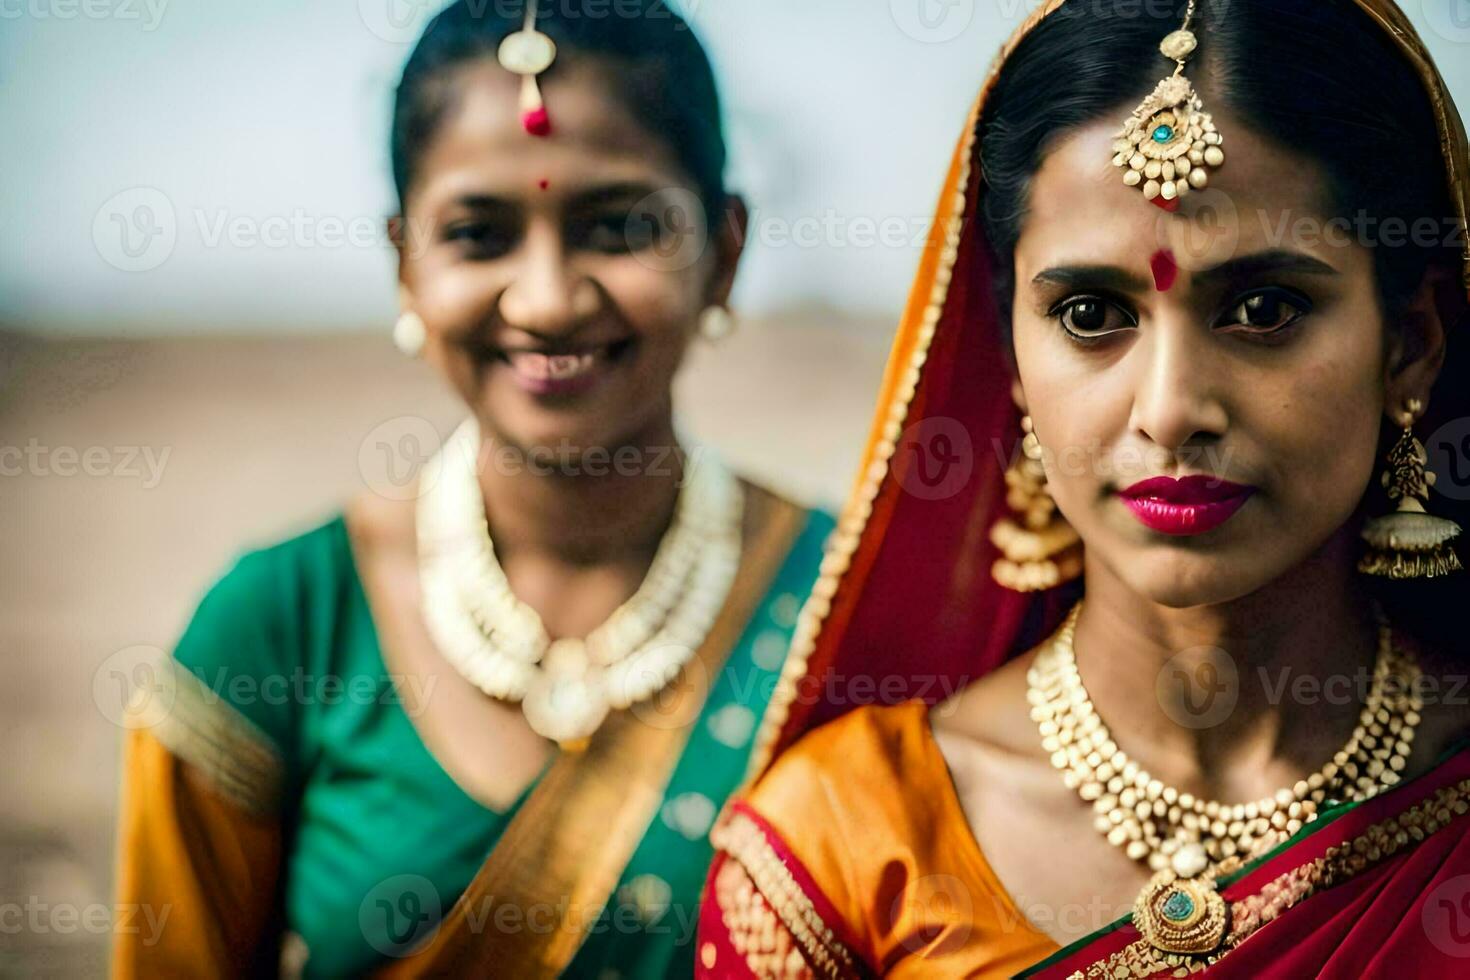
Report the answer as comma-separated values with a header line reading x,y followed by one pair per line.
x,y
1000,772
380,527
992,710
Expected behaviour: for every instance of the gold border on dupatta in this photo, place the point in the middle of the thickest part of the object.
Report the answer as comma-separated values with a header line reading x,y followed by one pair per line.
x,y
859,507
888,424
1454,151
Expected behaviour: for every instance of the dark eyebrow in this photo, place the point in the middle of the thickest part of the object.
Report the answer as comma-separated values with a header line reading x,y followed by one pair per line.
x,y
1095,276
483,202
604,194
1120,280
1258,263
585,200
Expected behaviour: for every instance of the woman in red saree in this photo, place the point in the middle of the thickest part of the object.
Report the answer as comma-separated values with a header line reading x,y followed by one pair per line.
x,y
1221,350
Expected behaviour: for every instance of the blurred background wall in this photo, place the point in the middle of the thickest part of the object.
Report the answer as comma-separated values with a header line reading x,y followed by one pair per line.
x,y
272,116
195,298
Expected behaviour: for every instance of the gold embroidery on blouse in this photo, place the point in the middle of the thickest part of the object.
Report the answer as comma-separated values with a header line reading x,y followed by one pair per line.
x,y
756,932
776,896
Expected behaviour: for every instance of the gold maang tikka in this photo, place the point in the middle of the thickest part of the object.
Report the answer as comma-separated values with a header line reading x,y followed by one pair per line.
x,y
527,53
1409,542
1170,144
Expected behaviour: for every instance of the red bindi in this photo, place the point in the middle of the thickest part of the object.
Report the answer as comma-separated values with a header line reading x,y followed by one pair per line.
x,y
1164,268
1170,206
543,183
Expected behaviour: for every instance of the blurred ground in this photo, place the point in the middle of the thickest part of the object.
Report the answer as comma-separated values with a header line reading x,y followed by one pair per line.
x,y
132,471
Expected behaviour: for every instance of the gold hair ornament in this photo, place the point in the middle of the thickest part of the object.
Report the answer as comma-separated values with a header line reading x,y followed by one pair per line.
x,y
1170,143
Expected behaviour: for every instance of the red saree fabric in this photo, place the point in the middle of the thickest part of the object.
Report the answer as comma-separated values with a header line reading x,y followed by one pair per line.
x,y
1389,889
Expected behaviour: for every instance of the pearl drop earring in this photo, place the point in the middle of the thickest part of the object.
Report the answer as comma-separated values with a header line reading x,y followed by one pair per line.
x,y
409,333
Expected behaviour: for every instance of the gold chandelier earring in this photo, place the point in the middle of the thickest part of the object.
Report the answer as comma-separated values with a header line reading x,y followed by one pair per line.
x,y
1409,543
1039,549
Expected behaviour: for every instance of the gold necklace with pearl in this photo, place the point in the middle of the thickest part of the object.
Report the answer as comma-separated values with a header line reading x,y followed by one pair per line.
x,y
1185,839
566,687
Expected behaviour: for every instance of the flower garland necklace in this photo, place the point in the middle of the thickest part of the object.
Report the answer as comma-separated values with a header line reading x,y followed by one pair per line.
x,y
1182,837
567,686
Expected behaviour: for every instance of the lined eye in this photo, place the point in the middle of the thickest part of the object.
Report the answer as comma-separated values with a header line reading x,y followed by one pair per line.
x,y
610,234
1268,310
1091,317
481,239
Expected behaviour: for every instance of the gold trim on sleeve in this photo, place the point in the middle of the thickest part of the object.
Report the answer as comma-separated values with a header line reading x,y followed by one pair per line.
x,y
743,840
756,931
232,753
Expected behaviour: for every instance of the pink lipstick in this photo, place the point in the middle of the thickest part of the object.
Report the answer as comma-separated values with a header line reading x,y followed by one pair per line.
x,y
1189,505
555,374
564,372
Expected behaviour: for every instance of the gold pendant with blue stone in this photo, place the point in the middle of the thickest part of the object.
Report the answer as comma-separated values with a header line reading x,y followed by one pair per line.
x,y
1179,910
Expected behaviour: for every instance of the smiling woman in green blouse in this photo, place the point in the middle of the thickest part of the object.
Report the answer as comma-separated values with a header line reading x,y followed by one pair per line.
x,y
488,729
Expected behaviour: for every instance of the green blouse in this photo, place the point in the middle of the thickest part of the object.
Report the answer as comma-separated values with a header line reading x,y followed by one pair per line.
x,y
380,840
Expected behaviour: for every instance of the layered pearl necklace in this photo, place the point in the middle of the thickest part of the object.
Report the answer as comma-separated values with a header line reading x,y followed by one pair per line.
x,y
1151,821
566,687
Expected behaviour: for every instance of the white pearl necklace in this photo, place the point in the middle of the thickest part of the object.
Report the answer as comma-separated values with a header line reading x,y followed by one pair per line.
x,y
567,687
